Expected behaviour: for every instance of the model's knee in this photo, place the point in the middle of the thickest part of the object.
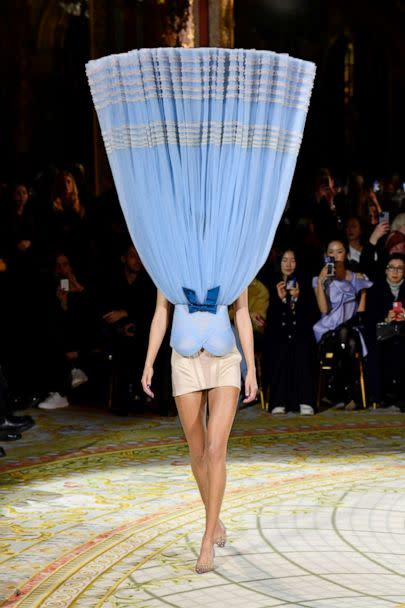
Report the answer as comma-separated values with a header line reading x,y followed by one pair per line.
x,y
216,453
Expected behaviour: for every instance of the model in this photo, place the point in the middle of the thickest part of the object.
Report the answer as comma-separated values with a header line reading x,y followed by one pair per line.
x,y
202,144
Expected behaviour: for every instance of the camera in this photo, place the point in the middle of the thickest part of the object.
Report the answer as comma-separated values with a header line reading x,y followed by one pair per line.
x,y
330,265
291,283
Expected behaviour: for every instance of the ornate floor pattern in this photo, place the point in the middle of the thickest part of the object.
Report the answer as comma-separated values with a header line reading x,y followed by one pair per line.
x,y
99,511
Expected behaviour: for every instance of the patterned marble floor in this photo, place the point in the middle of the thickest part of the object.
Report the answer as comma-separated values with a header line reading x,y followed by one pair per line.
x,y
99,511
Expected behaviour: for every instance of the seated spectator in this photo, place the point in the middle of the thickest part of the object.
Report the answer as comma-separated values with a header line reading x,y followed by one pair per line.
x,y
67,333
126,301
287,367
395,242
369,208
67,226
373,256
325,215
386,356
354,236
341,297
21,233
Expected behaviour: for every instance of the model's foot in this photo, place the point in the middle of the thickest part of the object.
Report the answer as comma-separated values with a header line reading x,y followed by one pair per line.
x,y
205,562
220,534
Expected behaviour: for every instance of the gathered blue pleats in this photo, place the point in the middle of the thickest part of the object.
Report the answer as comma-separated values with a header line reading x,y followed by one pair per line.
x,y
202,145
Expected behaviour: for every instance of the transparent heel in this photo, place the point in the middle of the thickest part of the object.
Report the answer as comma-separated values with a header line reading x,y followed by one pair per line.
x,y
202,566
220,540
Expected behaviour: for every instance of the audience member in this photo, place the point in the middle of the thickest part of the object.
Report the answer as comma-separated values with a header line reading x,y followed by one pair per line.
x,y
288,345
341,296
354,237
67,333
386,343
126,301
395,242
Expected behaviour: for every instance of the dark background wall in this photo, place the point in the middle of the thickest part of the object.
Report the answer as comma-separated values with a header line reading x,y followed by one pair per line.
x,y
361,129
45,104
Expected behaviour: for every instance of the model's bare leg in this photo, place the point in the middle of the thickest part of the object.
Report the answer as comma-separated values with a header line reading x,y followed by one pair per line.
x,y
222,409
192,413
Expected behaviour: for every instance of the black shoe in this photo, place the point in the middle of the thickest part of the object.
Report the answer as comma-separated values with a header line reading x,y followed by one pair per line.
x,y
16,424
24,403
2,452
9,436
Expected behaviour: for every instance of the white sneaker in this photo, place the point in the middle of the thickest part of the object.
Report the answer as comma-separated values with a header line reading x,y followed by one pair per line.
x,y
54,401
306,410
78,377
279,409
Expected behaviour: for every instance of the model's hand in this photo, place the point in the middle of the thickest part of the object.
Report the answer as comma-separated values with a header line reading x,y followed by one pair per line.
x,y
147,380
250,387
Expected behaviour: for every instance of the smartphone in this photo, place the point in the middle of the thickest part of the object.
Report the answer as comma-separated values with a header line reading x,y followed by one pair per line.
x,y
64,284
384,216
397,307
330,265
291,283
376,186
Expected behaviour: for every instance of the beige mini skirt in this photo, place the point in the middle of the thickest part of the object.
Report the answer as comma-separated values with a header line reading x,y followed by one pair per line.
x,y
203,371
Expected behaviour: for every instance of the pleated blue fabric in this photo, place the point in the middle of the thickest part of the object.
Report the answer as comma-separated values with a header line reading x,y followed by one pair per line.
x,y
202,145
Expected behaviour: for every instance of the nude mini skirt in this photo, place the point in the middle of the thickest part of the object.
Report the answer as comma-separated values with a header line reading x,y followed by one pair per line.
x,y
204,370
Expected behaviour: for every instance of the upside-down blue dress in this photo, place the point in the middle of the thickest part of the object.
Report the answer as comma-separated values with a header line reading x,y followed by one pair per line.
x,y
202,144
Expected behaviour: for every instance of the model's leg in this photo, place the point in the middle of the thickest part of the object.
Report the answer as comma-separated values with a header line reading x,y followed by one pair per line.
x,y
222,408
193,415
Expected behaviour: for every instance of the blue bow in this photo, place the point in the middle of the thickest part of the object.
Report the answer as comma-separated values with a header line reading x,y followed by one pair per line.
x,y
210,304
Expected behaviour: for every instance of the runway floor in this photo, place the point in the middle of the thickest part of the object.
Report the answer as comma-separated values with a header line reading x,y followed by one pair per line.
x,y
99,511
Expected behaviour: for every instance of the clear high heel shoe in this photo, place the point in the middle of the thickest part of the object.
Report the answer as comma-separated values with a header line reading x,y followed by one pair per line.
x,y
220,540
207,566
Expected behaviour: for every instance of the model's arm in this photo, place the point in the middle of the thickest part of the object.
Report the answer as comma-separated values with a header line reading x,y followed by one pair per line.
x,y
157,332
244,326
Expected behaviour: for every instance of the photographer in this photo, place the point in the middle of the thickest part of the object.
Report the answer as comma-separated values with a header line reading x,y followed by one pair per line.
x,y
341,298
386,358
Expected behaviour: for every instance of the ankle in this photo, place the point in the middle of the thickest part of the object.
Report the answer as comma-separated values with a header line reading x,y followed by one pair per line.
x,y
207,539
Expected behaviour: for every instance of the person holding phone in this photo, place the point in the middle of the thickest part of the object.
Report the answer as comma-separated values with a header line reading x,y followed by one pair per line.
x,y
385,367
288,351
341,298
396,238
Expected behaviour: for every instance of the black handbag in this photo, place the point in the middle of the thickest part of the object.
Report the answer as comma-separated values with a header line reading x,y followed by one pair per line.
x,y
387,331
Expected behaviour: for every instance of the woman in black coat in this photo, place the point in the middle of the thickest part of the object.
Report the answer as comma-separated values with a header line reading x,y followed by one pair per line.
x,y
289,343
386,358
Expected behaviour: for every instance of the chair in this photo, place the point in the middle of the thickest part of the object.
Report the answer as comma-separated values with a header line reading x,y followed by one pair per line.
x,y
264,403
326,364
